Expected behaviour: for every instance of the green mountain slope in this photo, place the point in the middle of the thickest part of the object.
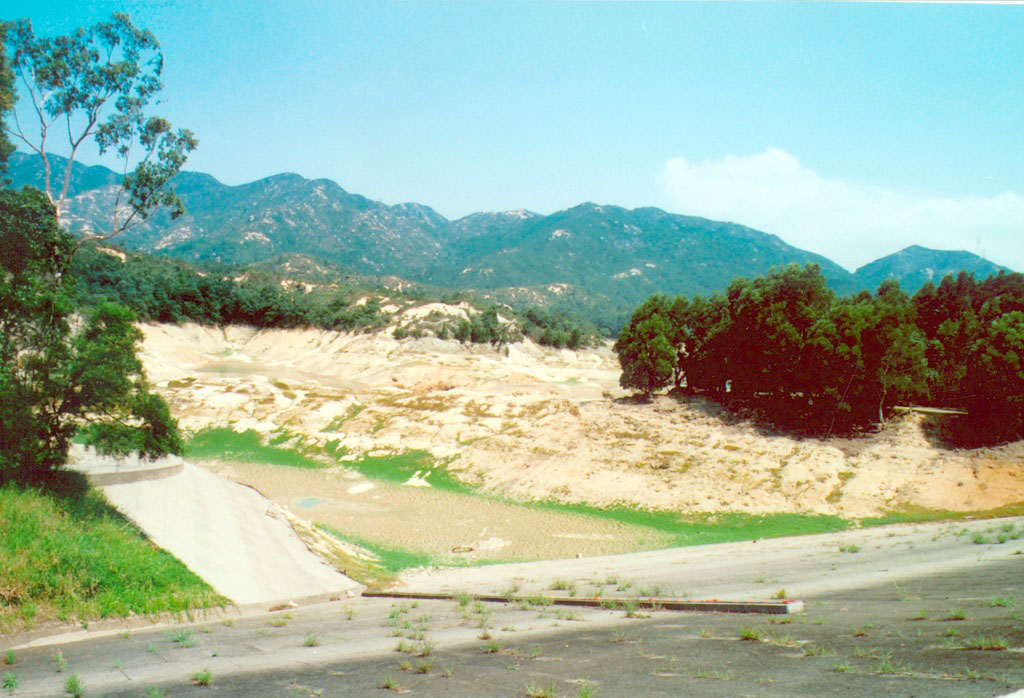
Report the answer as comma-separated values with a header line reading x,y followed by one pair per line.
x,y
597,260
627,254
916,265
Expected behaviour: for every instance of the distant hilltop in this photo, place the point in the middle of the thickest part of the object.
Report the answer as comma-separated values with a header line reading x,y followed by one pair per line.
x,y
584,258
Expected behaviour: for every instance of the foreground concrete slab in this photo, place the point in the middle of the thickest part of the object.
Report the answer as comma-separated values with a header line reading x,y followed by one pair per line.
x,y
230,535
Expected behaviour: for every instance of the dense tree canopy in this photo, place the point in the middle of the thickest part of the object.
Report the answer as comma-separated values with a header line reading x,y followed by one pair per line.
x,y
60,373
788,348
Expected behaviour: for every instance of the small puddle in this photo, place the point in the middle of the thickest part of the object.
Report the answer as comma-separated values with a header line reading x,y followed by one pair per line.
x,y
309,502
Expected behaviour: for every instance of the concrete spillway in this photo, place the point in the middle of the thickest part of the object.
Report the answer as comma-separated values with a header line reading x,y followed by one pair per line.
x,y
228,534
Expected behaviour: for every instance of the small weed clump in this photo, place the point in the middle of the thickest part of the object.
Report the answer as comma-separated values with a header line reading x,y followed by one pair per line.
x,y
202,678
956,614
391,684
1000,601
983,642
10,681
750,634
311,640
538,691
184,638
73,686
849,548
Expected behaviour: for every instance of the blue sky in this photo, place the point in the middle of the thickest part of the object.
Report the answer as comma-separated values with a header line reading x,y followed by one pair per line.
x,y
848,129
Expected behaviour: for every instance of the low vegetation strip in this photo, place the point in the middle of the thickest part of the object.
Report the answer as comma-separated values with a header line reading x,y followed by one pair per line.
x,y
704,529
245,447
76,559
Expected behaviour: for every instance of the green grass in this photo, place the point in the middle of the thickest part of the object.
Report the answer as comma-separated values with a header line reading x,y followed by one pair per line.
x,y
918,515
702,529
392,560
76,559
399,467
245,447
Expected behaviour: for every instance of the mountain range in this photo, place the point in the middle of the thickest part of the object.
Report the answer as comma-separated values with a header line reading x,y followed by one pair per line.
x,y
585,257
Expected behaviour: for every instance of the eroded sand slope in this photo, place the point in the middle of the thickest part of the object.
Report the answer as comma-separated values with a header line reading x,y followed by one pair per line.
x,y
536,423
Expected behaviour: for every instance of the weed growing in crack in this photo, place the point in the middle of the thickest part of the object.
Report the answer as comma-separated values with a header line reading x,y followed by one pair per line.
x,y
750,634
537,691
73,686
184,638
983,642
956,614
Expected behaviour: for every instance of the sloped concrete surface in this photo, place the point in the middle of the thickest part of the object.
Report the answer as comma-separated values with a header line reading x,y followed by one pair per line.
x,y
228,534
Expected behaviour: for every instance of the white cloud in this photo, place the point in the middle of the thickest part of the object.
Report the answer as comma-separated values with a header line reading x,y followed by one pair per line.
x,y
850,222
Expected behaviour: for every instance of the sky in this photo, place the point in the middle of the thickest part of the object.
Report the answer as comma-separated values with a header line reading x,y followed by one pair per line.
x,y
849,129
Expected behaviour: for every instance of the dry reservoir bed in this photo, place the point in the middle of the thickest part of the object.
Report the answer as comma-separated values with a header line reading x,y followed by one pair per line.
x,y
444,525
535,423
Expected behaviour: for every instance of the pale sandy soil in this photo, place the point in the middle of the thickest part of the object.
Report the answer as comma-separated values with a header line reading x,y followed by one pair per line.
x,y
535,423
450,527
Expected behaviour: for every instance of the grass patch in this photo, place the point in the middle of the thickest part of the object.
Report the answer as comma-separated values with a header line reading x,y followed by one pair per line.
x,y
392,560
399,467
703,529
76,559
245,447
984,642
911,514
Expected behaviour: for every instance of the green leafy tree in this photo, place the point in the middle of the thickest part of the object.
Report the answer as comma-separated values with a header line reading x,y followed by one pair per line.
x,y
880,354
995,372
56,379
97,83
645,350
773,326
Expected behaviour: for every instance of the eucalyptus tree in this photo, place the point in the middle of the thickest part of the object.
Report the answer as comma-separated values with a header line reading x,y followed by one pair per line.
x,y
96,84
